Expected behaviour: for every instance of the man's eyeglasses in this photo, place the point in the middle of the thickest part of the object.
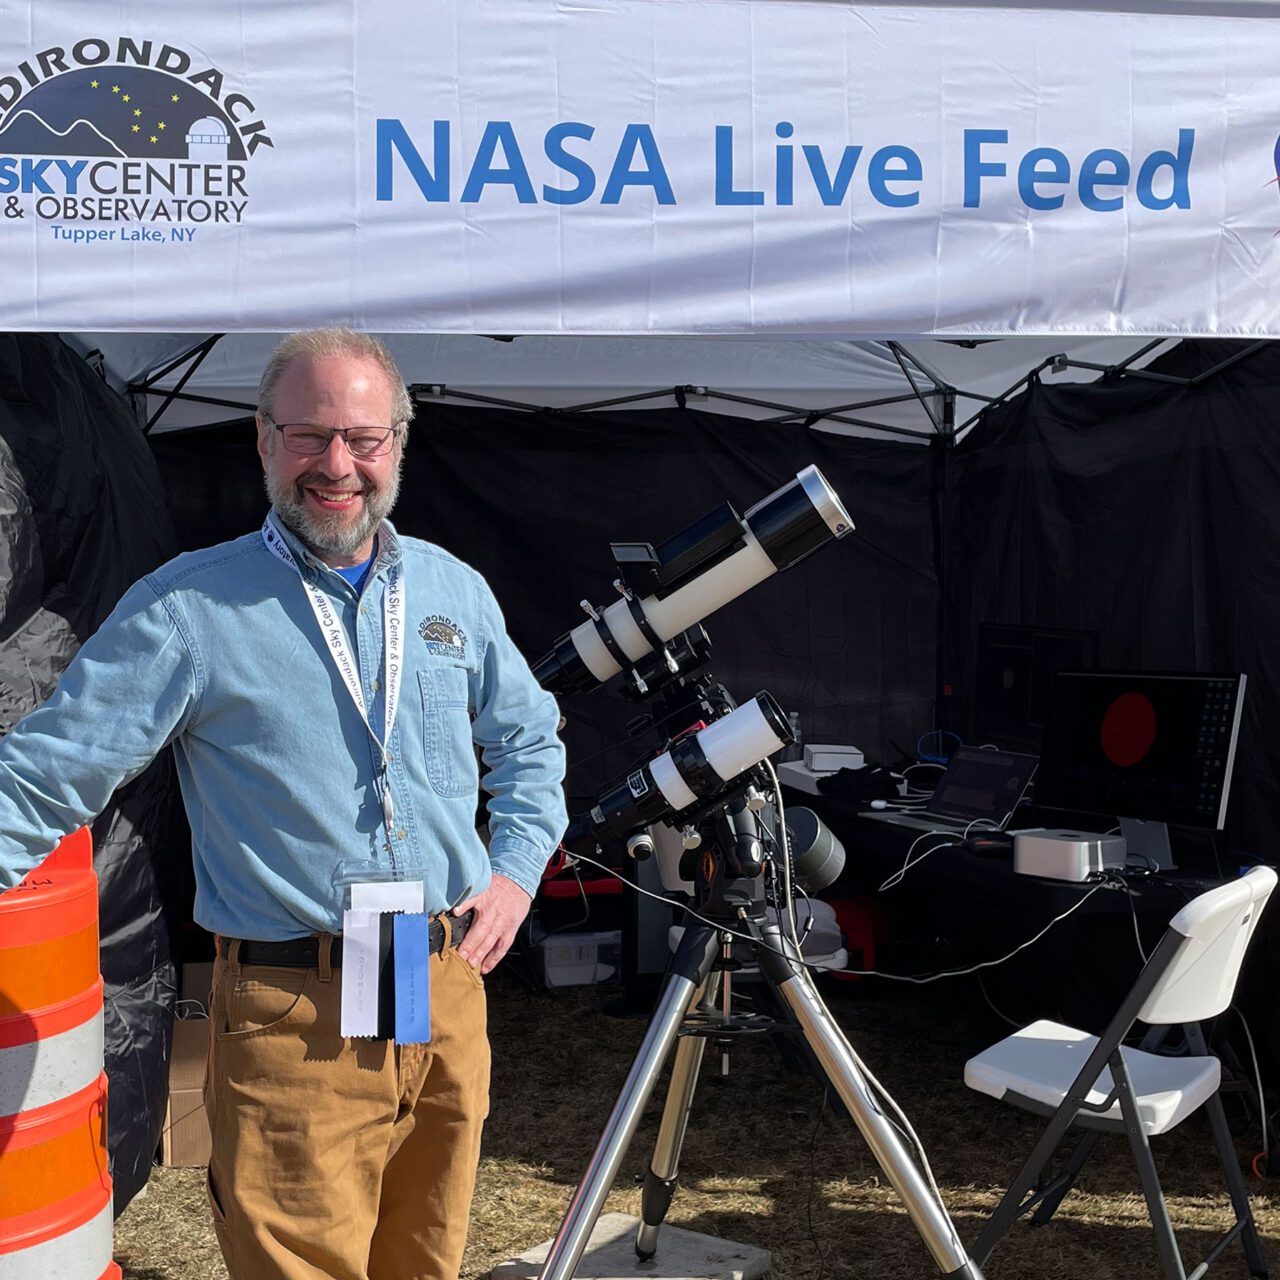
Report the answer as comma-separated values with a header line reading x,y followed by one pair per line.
x,y
361,442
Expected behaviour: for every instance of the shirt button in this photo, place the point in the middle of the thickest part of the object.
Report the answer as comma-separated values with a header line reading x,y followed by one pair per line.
x,y
377,684
400,835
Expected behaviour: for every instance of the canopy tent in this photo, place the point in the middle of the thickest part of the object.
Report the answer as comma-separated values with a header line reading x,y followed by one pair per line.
x,y
709,202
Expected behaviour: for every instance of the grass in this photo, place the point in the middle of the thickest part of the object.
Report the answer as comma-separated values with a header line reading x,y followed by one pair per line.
x,y
759,1165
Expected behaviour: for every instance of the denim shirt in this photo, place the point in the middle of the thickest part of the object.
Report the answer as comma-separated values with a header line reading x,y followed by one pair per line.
x,y
218,653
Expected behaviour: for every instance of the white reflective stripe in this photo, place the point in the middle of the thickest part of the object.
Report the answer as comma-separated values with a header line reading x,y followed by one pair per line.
x,y
84,1253
673,787
335,638
43,1071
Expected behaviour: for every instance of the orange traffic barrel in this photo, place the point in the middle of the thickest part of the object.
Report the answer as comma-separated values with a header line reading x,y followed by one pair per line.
x,y
55,1190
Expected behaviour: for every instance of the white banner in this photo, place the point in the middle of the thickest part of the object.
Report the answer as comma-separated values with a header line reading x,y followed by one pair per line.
x,y
637,166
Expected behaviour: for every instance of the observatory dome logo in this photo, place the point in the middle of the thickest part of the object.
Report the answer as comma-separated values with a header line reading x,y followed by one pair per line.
x,y
124,140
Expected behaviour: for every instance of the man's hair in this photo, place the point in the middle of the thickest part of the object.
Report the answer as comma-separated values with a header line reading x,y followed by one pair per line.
x,y
318,344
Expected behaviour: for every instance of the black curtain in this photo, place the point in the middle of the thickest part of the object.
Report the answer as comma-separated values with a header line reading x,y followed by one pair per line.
x,y
1145,512
1142,511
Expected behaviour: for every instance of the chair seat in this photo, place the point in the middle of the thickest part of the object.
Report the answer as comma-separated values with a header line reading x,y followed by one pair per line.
x,y
1041,1063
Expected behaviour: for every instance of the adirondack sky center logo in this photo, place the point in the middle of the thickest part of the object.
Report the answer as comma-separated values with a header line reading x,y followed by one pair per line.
x,y
445,639
143,137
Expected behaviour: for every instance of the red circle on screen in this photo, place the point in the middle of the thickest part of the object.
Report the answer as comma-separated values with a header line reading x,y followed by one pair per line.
x,y
1128,729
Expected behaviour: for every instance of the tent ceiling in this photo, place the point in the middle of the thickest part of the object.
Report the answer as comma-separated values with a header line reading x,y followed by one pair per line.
x,y
897,386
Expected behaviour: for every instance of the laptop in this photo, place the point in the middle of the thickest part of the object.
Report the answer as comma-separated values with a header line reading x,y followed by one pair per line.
x,y
979,787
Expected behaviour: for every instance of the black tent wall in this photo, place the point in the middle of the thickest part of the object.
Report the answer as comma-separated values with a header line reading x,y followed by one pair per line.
x,y
1146,512
82,515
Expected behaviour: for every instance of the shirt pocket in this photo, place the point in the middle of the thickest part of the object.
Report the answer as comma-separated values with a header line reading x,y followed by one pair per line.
x,y
446,731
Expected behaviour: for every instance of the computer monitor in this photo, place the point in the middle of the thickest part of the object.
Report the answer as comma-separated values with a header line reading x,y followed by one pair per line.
x,y
1150,747
1014,674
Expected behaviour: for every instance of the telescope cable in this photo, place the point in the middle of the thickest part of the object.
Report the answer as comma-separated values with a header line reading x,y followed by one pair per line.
x,y
918,979
786,852
898,1118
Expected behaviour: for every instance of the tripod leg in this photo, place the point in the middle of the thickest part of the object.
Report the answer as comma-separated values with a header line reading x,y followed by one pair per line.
x,y
697,952
660,1181
836,1056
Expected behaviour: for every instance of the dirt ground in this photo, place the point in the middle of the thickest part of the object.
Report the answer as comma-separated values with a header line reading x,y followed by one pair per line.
x,y
765,1162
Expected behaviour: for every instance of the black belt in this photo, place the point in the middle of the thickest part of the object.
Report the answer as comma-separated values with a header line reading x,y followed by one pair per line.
x,y
304,953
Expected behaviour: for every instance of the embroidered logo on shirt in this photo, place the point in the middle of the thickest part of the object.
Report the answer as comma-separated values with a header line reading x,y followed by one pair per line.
x,y
445,639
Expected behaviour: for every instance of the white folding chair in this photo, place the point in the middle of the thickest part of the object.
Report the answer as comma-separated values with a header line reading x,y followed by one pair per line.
x,y
1101,1085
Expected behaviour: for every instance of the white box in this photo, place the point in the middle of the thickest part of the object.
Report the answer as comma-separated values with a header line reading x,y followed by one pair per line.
x,y
796,774
580,959
1066,855
828,757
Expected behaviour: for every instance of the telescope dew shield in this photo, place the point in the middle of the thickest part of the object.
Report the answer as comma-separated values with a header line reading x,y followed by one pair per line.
x,y
779,531
794,521
817,856
696,769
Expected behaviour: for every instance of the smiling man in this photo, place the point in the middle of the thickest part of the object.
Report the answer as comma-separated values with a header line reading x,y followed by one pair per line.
x,y
332,485
325,684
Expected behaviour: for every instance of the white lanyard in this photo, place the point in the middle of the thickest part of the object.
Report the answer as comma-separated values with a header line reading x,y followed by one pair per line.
x,y
335,638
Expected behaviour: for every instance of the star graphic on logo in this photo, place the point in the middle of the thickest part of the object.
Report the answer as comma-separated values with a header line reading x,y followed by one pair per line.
x,y
174,98
125,98
93,84
137,111
154,138
115,88
135,128
161,125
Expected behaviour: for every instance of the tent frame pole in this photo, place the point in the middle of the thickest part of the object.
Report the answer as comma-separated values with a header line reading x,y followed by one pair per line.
x,y
195,359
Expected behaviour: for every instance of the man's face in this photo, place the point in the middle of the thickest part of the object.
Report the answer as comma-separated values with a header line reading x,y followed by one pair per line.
x,y
334,502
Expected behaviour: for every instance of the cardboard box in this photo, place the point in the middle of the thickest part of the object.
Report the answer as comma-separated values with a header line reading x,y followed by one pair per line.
x,y
185,1143
196,982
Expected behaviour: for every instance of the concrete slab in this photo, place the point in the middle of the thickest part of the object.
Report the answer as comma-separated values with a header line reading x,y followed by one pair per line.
x,y
682,1255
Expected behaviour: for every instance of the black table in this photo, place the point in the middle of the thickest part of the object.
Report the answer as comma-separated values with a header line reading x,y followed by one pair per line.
x,y
957,908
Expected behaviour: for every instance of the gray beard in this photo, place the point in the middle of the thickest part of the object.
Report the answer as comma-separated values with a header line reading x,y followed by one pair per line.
x,y
331,535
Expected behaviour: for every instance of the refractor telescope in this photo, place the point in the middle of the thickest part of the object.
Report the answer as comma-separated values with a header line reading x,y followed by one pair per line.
x,y
701,768
671,587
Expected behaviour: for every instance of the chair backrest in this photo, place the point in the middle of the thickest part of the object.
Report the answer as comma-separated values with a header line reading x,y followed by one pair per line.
x,y
1215,929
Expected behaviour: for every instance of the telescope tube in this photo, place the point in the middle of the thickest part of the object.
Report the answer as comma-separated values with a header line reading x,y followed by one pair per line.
x,y
695,769
779,531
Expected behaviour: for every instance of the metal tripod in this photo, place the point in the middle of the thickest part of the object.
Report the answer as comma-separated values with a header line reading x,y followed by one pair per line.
x,y
688,993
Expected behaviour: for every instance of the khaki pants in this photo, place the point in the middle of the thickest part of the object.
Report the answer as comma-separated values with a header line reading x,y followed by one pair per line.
x,y
349,1159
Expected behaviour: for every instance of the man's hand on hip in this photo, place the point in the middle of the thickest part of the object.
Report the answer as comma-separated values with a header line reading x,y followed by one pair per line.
x,y
499,912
